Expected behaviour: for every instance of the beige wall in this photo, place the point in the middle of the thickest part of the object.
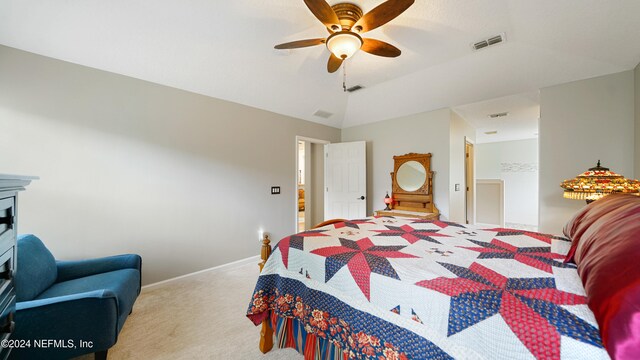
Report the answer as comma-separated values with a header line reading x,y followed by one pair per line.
x,y
490,196
460,129
581,122
520,182
419,133
637,126
131,166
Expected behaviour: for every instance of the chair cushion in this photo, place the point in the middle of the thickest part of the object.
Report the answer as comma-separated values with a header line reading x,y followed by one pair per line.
x,y
124,283
606,247
36,270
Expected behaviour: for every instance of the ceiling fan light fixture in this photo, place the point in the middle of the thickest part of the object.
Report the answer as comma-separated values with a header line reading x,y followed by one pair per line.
x,y
344,44
345,22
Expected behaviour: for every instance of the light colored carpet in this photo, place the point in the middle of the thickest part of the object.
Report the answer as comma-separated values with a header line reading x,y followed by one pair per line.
x,y
198,317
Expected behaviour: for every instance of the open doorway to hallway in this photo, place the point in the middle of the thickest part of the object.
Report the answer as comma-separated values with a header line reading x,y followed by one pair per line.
x,y
309,182
301,183
506,160
469,176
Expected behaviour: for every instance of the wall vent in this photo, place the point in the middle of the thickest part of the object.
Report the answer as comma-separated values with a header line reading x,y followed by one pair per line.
x,y
493,40
323,114
491,132
497,115
355,88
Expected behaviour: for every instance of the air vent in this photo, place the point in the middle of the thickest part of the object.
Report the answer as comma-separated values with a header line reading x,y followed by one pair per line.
x,y
491,132
355,88
323,114
497,115
497,39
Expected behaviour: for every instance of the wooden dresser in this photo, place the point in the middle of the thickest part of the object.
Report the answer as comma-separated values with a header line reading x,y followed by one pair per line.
x,y
412,188
10,185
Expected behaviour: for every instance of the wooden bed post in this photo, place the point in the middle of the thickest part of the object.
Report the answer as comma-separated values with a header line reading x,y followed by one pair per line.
x,y
266,333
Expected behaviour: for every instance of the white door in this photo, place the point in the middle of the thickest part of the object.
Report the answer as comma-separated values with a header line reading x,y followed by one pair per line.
x,y
345,180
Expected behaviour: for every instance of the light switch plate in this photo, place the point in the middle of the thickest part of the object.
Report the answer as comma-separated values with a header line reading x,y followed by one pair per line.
x,y
457,187
275,190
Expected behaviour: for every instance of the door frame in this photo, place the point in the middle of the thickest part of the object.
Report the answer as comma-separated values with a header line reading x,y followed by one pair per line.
x,y
295,177
472,187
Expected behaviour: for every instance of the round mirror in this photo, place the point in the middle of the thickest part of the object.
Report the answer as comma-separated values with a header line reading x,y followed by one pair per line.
x,y
411,176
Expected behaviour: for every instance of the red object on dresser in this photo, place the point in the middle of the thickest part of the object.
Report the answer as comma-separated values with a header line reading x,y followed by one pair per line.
x,y
605,246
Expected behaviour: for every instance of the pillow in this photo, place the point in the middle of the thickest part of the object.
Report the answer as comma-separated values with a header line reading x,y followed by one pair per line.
x,y
571,231
606,249
36,270
583,219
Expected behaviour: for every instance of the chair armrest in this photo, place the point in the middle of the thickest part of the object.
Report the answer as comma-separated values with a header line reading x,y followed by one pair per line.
x,y
89,316
69,270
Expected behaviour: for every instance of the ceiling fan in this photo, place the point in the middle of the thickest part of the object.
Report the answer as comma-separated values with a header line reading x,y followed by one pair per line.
x,y
345,22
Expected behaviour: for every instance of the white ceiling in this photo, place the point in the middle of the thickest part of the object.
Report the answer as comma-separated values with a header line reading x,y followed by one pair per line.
x,y
520,123
224,49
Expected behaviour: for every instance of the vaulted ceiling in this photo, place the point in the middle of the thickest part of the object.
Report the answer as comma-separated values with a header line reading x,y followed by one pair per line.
x,y
224,49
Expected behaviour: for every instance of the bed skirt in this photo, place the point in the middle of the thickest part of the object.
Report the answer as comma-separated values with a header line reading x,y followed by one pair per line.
x,y
290,333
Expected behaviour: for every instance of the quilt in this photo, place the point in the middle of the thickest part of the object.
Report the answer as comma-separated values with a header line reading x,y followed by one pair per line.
x,y
400,288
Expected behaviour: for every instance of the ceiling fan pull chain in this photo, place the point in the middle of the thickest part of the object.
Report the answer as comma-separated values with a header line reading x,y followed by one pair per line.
x,y
344,76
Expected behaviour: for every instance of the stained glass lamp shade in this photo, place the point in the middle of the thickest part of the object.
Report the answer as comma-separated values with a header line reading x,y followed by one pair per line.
x,y
597,182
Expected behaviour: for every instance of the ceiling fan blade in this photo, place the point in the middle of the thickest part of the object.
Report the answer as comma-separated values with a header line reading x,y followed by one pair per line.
x,y
300,44
323,11
334,63
380,48
381,15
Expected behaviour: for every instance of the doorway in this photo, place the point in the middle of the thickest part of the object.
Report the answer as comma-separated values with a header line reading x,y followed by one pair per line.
x,y
469,176
303,153
309,198
505,150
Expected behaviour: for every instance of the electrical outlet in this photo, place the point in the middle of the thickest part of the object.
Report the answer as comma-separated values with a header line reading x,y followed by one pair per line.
x,y
457,187
275,190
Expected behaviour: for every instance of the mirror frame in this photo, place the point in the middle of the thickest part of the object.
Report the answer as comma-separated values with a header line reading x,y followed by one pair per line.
x,y
424,160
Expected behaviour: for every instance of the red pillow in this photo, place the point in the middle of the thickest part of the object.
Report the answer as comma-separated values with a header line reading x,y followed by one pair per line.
x,y
574,229
606,247
584,218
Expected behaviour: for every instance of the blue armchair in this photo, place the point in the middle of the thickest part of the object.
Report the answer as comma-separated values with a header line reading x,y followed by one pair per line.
x,y
78,307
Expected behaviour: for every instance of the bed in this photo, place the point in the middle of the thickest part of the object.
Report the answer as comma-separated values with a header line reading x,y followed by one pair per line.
x,y
400,288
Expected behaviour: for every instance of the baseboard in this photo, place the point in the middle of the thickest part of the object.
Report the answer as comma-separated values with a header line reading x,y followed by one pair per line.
x,y
488,226
218,268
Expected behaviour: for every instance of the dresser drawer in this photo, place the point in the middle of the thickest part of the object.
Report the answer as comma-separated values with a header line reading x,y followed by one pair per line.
x,y
7,291
7,223
5,352
7,299
6,317
7,325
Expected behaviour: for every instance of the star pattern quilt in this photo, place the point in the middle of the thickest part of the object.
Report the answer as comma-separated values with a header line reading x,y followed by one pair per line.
x,y
400,288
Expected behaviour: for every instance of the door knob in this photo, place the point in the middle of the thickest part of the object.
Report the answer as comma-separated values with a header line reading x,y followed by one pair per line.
x,y
361,198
